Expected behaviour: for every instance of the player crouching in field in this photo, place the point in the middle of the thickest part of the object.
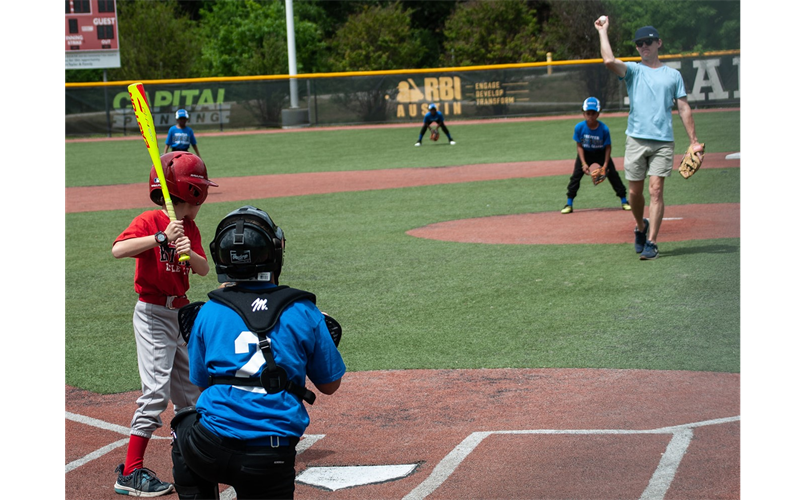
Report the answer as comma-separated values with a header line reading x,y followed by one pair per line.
x,y
433,116
593,145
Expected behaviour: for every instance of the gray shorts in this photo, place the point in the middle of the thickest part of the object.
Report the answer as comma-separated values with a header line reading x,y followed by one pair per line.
x,y
646,157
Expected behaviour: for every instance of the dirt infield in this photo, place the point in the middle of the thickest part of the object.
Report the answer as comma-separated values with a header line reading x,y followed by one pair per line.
x,y
591,226
483,434
458,434
125,196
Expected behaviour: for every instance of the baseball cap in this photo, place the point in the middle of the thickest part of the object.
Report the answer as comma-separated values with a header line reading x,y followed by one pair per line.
x,y
432,106
646,32
182,113
591,104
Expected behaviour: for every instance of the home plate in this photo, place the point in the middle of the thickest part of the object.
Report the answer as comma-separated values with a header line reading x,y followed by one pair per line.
x,y
338,478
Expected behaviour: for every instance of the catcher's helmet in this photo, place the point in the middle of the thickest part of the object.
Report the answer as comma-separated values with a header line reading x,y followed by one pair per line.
x,y
185,175
247,246
182,113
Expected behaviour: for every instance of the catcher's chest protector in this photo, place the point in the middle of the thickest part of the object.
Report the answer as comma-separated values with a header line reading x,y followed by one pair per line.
x,y
260,311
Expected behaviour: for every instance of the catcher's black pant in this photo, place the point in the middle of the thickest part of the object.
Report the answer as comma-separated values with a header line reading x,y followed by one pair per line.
x,y
594,157
426,126
202,460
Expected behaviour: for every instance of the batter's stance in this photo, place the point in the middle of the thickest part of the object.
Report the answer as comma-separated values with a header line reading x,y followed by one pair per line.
x,y
161,282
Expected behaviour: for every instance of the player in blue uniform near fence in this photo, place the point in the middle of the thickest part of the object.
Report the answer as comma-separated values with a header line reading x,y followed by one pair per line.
x,y
433,116
180,136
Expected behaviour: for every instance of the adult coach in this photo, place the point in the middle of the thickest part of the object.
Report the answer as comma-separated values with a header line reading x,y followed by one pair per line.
x,y
652,87
251,347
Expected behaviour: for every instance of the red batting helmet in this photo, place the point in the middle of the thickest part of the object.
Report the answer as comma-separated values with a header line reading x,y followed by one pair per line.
x,y
185,175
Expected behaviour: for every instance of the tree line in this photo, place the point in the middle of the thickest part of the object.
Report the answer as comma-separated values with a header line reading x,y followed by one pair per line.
x,y
169,39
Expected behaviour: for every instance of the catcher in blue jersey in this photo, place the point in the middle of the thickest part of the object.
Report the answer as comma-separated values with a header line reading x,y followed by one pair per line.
x,y
434,119
251,346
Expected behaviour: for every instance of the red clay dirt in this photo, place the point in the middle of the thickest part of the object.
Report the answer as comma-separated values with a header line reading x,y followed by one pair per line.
x,y
590,226
550,434
482,434
126,196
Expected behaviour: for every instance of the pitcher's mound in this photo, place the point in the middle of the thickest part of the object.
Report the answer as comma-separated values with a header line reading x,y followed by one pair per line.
x,y
601,225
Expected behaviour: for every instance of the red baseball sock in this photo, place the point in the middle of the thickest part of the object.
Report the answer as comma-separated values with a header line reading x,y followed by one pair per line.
x,y
135,454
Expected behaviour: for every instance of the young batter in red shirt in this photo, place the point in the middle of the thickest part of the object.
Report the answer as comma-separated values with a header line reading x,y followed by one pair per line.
x,y
162,281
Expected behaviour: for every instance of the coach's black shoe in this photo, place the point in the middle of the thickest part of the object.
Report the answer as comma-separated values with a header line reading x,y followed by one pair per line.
x,y
141,483
640,237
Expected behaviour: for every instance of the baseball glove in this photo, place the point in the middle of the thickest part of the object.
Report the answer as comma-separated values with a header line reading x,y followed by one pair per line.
x,y
692,160
187,316
598,175
334,327
434,133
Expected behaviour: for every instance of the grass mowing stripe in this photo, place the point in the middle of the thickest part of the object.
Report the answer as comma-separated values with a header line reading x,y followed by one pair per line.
x,y
125,162
412,303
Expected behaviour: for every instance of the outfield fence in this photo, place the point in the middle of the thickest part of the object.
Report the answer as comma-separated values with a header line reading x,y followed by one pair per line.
x,y
381,97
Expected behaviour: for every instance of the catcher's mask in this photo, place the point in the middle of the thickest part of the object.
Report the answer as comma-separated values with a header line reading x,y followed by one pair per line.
x,y
185,175
248,246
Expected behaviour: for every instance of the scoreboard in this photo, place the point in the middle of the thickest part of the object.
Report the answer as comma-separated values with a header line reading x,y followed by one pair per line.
x,y
90,25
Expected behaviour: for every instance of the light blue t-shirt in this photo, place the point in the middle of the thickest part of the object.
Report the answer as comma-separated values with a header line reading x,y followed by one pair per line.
x,y
180,138
221,344
592,140
651,98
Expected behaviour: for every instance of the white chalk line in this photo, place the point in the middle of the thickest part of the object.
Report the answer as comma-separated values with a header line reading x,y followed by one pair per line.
x,y
100,424
658,484
306,442
656,489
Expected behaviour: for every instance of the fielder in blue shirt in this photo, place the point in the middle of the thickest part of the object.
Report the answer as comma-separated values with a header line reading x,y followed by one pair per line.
x,y
180,136
593,146
433,116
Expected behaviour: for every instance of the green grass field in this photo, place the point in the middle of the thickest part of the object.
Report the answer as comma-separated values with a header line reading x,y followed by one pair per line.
x,y
409,303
